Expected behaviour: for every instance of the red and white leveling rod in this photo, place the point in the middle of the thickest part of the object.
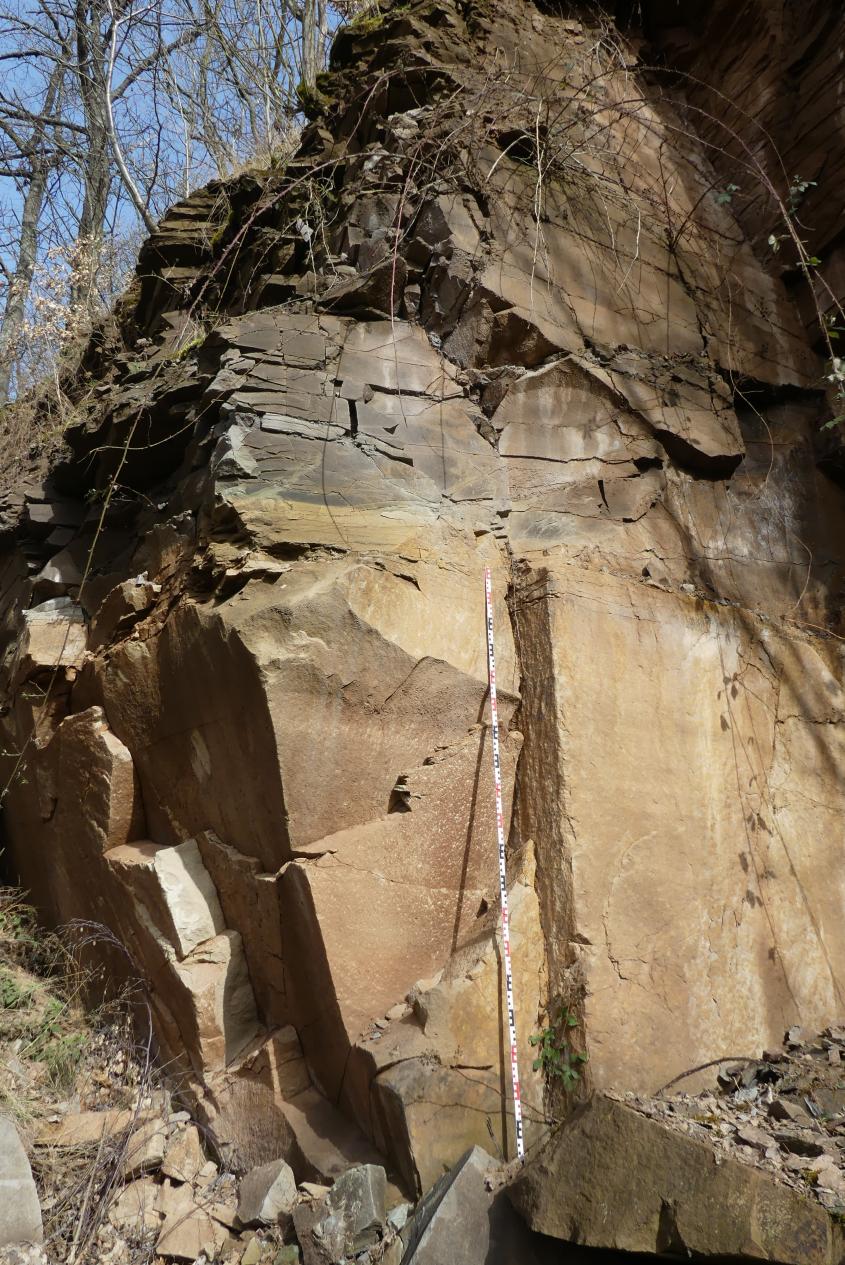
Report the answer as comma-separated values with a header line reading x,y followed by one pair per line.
x,y
503,881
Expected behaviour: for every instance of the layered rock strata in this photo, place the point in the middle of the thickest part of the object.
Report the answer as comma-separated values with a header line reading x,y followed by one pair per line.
x,y
491,314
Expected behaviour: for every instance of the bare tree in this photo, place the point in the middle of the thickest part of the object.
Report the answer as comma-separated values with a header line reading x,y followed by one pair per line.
x,y
112,109
31,160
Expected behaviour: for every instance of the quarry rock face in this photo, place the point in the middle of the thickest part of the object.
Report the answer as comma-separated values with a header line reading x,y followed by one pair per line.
x,y
492,314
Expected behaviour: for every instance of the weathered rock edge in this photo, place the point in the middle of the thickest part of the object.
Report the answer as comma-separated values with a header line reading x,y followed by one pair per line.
x,y
610,1177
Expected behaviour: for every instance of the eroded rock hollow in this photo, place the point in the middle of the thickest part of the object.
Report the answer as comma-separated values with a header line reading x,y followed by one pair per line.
x,y
497,311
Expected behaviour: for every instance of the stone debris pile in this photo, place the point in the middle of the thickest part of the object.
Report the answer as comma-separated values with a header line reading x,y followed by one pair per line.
x,y
784,1113
166,1201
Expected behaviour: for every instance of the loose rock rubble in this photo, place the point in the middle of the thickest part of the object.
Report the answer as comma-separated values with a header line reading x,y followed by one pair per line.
x,y
163,1198
784,1113
100,1159
180,1205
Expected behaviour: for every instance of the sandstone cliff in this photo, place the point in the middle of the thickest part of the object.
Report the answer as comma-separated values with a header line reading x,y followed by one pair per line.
x,y
494,312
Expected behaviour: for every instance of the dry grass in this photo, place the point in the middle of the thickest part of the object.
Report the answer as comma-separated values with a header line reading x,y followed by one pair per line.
x,y
59,1055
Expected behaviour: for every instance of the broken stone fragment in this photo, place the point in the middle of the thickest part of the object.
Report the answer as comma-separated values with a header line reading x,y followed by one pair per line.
x,y
783,1109
232,459
222,1205
176,887
397,1218
134,1210
313,1190
88,1128
801,1143
252,1253
830,1101
63,571
120,608
358,1200
45,517
145,1149
184,1159
188,1228
288,1254
222,1020
267,1194
755,1138
378,289
98,800
250,901
20,1211
464,1218
345,1221
49,639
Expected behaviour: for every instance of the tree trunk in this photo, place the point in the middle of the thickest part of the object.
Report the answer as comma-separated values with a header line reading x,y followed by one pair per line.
x,y
96,173
15,309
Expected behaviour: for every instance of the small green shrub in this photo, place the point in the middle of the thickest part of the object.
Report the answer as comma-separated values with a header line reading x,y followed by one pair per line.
x,y
556,1058
13,994
62,1055
366,22
182,353
726,196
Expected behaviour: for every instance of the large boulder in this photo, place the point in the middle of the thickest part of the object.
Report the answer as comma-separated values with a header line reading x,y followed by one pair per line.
x,y
612,1177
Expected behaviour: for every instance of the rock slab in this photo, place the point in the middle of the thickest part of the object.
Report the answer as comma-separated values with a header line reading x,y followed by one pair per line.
x,y
461,1221
612,1178
20,1211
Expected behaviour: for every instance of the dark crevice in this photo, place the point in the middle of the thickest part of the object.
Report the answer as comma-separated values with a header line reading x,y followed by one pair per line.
x,y
766,394
699,464
669,1238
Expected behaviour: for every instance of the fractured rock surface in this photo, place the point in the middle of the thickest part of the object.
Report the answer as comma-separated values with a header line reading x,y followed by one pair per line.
x,y
727,710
